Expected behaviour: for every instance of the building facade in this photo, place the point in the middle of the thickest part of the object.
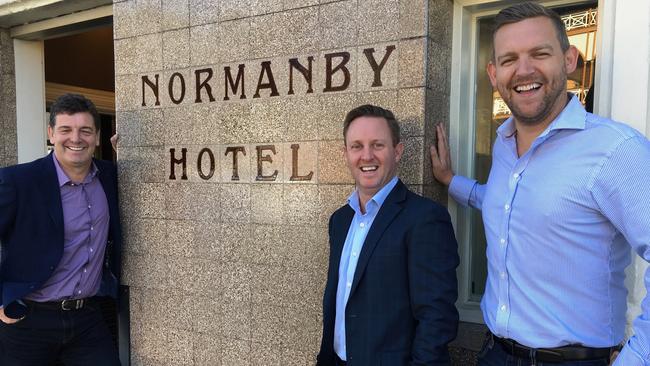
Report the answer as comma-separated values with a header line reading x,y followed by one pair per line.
x,y
230,158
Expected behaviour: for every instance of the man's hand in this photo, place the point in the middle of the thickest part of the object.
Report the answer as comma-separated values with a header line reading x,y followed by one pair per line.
x,y
114,139
440,159
5,319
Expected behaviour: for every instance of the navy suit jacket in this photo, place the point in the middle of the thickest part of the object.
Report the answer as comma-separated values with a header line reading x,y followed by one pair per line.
x,y
401,307
31,230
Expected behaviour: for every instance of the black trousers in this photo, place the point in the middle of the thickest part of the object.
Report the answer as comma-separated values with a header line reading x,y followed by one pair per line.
x,y
46,334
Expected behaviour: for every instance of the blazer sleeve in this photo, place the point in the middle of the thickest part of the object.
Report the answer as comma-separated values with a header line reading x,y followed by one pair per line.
x,y
325,356
7,204
432,261
7,216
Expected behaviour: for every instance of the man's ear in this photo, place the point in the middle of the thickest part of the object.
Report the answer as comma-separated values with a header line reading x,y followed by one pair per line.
x,y
399,150
492,73
50,132
571,59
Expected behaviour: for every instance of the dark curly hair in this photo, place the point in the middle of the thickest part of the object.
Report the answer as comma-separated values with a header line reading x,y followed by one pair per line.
x,y
73,103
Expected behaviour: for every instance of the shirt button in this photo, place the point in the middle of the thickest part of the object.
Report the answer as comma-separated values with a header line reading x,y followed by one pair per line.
x,y
85,270
507,207
362,224
503,241
91,250
79,292
349,284
354,254
92,228
516,175
503,275
503,308
89,206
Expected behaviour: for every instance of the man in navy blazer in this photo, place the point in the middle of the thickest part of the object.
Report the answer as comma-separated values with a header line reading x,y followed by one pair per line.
x,y
391,285
60,238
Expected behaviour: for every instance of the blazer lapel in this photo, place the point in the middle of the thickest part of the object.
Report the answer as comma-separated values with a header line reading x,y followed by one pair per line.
x,y
52,192
107,179
387,213
340,234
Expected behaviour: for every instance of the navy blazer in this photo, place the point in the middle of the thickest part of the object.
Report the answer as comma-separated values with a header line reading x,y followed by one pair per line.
x,y
31,230
401,307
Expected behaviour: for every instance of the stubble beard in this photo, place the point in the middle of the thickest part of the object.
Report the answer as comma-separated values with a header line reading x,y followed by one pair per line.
x,y
546,106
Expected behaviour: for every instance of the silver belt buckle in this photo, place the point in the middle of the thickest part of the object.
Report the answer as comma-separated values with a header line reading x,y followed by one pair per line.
x,y
68,305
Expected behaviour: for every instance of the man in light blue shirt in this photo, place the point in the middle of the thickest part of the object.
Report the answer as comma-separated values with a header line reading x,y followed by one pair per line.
x,y
567,196
391,285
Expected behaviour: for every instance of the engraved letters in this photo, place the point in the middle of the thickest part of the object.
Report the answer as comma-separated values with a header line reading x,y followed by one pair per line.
x,y
327,73
335,75
206,162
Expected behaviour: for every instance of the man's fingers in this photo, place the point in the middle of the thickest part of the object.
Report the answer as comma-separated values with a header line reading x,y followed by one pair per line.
x,y
10,321
7,320
443,147
435,160
114,140
443,132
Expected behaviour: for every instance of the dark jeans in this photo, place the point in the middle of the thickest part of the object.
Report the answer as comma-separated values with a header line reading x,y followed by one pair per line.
x,y
493,354
77,338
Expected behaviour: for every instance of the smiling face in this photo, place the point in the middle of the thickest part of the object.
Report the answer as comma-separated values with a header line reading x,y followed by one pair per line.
x,y
74,137
530,70
370,154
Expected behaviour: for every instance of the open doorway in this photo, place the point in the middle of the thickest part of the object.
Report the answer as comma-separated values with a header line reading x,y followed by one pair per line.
x,y
69,53
83,63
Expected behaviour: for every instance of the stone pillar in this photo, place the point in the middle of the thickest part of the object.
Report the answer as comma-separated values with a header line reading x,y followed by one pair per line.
x,y
8,139
230,114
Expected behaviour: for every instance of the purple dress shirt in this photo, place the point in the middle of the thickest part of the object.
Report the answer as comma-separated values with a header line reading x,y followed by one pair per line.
x,y
86,221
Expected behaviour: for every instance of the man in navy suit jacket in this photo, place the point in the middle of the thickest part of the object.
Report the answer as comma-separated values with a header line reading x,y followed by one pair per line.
x,y
60,237
391,285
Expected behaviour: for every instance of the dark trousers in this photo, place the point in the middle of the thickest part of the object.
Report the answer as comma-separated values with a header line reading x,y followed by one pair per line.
x,y
75,337
493,354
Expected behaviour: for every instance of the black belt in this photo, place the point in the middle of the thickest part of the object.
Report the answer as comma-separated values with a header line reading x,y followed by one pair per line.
x,y
63,305
559,354
338,361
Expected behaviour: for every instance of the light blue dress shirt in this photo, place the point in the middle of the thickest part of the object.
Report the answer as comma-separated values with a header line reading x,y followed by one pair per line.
x,y
359,228
560,221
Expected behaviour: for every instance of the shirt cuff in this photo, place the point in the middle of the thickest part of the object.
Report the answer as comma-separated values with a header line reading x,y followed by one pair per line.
x,y
628,357
460,189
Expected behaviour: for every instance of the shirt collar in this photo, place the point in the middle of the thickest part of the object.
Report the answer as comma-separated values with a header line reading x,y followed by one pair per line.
x,y
572,117
63,177
378,198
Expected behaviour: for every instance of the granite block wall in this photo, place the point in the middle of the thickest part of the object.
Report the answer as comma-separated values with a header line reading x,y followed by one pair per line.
x,y
8,139
230,159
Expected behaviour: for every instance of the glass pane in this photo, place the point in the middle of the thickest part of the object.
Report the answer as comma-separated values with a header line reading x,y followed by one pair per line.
x,y
491,112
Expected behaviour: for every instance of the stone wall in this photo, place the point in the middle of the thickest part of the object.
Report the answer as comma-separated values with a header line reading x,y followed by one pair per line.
x,y
230,159
8,139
